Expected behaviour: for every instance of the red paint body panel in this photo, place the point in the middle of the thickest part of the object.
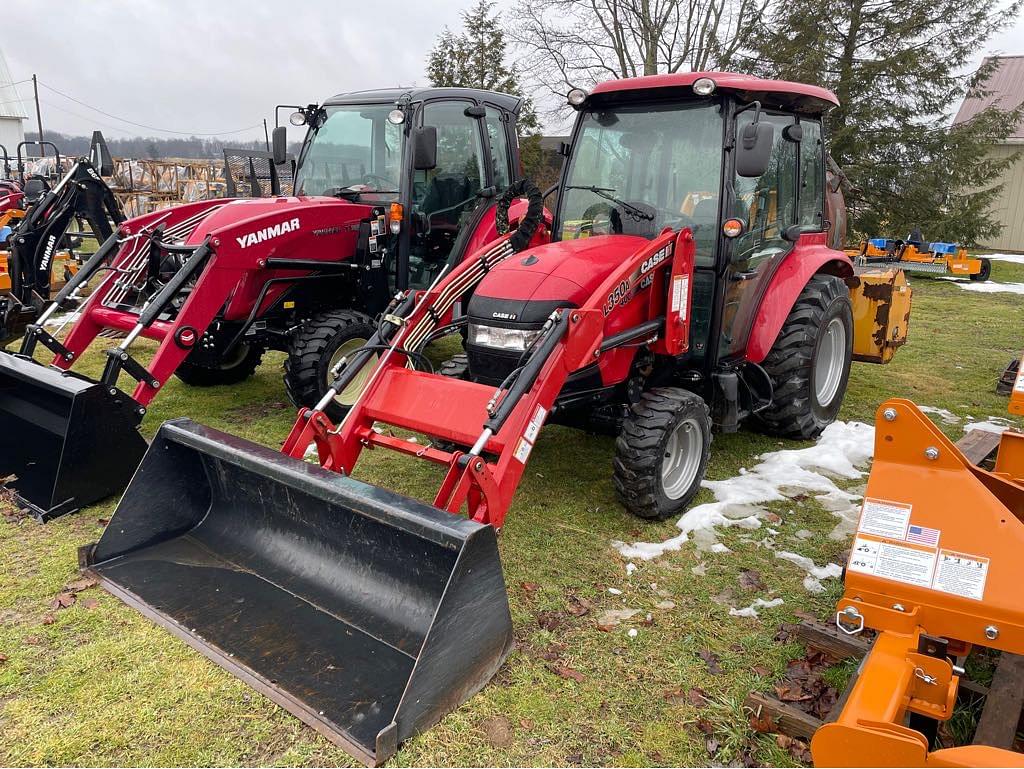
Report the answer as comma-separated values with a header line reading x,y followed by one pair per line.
x,y
746,85
11,200
809,256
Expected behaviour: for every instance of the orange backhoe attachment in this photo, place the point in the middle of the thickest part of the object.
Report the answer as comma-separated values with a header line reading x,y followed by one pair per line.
x,y
936,567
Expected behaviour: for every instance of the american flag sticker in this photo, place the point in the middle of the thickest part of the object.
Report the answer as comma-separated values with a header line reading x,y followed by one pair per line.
x,y
922,535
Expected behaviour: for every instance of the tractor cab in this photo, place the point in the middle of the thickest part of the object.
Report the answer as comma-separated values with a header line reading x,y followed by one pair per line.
x,y
431,159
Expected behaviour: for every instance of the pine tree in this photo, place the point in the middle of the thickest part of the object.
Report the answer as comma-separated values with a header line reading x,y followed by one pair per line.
x,y
897,68
475,58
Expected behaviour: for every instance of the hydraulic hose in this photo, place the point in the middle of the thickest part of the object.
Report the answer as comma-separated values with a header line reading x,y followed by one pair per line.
x,y
523,188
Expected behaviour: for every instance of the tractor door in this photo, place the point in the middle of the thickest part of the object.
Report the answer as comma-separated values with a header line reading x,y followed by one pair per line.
x,y
767,205
443,196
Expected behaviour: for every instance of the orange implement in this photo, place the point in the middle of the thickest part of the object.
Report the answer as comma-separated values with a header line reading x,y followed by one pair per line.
x,y
935,567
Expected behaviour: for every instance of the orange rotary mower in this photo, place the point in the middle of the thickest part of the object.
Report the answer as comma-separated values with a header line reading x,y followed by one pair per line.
x,y
935,569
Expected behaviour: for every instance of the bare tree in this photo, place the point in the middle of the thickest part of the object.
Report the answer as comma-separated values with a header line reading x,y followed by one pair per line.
x,y
575,43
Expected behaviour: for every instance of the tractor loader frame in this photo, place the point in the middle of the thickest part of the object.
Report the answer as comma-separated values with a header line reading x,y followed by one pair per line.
x,y
936,570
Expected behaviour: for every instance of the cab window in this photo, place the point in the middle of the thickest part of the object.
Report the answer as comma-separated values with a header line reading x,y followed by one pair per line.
x,y
812,172
499,148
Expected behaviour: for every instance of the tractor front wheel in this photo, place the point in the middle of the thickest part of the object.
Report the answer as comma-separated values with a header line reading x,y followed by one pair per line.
x,y
986,271
810,363
662,452
316,349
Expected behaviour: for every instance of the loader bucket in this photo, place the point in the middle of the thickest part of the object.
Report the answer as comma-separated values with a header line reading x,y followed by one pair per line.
x,y
67,440
366,614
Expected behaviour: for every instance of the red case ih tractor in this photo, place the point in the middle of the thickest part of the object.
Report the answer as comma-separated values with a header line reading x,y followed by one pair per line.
x,y
391,187
689,284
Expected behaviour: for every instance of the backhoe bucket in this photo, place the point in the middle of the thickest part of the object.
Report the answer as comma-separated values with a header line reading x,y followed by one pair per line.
x,y
366,614
67,441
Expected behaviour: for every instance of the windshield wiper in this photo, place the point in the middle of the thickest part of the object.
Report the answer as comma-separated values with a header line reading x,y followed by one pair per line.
x,y
348,192
629,208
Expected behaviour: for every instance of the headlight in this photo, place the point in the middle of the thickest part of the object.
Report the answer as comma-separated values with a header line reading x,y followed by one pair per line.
x,y
502,338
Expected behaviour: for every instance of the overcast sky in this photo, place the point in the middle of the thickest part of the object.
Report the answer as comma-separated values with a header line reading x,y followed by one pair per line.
x,y
203,67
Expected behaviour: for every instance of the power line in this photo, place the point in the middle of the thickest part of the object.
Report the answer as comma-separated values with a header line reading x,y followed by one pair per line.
x,y
102,124
142,125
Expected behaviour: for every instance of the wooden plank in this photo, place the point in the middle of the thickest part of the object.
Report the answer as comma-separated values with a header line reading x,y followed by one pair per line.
x,y
978,445
832,641
999,718
788,719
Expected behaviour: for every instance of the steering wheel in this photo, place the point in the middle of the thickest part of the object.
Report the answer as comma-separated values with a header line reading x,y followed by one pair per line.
x,y
604,219
374,178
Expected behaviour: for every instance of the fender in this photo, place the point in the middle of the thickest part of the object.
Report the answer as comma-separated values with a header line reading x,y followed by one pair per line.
x,y
808,257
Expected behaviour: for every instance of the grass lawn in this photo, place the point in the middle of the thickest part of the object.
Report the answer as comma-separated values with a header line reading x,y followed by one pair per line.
x,y
96,684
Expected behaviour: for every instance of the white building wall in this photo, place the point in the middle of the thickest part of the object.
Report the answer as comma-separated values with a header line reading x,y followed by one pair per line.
x,y
12,131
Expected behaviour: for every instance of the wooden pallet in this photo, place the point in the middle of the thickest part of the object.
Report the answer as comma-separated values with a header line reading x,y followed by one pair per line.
x,y
1003,702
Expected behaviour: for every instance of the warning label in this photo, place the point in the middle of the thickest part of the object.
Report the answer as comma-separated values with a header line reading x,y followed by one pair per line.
x,y
533,428
522,452
680,290
1019,384
885,519
961,574
892,560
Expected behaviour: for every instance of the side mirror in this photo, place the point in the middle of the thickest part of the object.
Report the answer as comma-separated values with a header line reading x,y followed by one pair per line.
x,y
563,149
424,148
279,143
754,149
99,155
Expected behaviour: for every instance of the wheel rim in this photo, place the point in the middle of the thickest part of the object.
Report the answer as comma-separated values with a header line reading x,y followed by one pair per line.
x,y
238,356
349,395
828,368
681,461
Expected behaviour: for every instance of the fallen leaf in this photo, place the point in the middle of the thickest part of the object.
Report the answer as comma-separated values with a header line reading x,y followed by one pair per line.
x,y
526,723
705,726
62,601
33,640
792,694
48,619
3,658
81,584
575,759
712,746
773,517
697,697
747,758
529,587
613,617
711,660
675,696
549,620
665,605
751,580
762,723
498,731
102,521
579,606
566,672
90,603
761,671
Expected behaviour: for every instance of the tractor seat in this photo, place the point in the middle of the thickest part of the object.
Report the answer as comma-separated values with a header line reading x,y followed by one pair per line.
x,y
446,191
35,188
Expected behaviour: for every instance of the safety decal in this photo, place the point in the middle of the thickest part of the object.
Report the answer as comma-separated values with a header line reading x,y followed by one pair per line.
x,y
900,562
680,291
533,429
885,519
522,452
961,574
1019,384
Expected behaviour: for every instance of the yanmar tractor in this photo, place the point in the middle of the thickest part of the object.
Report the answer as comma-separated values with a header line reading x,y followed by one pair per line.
x,y
392,187
689,284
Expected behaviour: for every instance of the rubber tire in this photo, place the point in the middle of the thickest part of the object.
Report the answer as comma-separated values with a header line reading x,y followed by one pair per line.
x,y
198,375
986,271
307,366
640,448
457,367
795,412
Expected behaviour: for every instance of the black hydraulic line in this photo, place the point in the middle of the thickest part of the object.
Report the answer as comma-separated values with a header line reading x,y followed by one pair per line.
x,y
276,262
173,286
530,371
644,330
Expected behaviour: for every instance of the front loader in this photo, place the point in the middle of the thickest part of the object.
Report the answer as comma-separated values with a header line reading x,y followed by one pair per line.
x,y
935,570
689,285
392,188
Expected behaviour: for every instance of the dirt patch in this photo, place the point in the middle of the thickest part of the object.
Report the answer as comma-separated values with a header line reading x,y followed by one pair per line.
x,y
497,730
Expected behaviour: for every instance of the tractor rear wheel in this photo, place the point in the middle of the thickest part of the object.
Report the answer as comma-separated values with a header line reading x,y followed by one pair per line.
x,y
810,363
316,349
986,270
208,369
661,452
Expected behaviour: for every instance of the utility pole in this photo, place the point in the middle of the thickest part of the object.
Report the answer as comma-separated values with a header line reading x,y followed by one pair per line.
x,y
266,134
39,116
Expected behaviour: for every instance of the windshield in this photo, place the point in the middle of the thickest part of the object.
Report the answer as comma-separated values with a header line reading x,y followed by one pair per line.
x,y
355,149
642,168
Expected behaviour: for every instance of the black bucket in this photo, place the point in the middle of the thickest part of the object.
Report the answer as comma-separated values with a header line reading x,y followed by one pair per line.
x,y
68,441
366,614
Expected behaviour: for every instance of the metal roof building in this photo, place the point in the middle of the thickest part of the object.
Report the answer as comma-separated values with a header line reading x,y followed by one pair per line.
x,y
1006,89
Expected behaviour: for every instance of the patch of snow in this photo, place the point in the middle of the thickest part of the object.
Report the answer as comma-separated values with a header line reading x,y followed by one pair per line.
x,y
632,632
805,534
630,568
700,569
61,320
828,571
718,547
988,287
614,591
812,585
665,605
990,425
751,611
840,451
613,617
948,417
1015,258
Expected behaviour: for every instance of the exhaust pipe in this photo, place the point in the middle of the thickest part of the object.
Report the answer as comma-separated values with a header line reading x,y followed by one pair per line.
x,y
366,614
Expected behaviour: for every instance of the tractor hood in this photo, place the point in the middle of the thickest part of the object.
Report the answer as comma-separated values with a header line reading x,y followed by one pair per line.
x,y
524,289
238,211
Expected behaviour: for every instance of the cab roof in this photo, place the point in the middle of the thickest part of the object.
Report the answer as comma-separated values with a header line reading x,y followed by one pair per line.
x,y
799,97
392,95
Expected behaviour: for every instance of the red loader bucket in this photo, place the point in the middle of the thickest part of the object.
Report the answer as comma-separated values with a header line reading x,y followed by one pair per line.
x,y
366,614
68,441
